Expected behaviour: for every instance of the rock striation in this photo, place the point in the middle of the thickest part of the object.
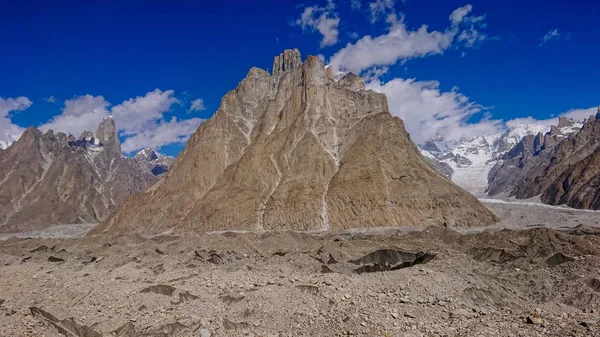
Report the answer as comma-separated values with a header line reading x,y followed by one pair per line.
x,y
298,150
48,179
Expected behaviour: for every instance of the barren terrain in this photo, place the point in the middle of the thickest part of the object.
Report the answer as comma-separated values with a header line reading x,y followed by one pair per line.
x,y
540,280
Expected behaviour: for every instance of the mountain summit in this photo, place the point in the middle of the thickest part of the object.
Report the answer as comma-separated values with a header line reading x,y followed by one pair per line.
x,y
298,150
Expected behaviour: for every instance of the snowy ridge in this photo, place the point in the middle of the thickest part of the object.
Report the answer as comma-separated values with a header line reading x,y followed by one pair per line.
x,y
471,159
157,163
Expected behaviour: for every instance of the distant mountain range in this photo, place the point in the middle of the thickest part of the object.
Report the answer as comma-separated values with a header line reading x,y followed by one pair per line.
x,y
468,162
297,149
53,178
559,164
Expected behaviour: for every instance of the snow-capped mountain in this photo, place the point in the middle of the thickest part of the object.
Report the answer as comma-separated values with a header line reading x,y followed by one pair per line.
x,y
4,144
158,163
471,159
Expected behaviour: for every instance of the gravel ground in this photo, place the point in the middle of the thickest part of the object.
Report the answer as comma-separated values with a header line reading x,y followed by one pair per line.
x,y
534,281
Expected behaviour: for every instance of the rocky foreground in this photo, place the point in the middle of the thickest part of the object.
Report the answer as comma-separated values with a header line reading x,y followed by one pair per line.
x,y
435,282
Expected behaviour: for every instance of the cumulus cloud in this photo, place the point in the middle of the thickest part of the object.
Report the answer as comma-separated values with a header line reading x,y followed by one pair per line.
x,y
10,132
355,5
141,113
553,34
164,133
380,8
429,112
325,20
197,105
402,43
576,114
79,114
50,99
13,104
140,120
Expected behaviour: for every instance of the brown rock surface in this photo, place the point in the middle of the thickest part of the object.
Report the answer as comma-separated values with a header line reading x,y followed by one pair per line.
x,y
561,162
296,150
48,179
531,165
578,186
284,283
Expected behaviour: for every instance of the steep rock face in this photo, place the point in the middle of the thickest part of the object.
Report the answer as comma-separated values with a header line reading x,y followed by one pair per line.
x,y
558,160
528,158
578,186
48,179
296,150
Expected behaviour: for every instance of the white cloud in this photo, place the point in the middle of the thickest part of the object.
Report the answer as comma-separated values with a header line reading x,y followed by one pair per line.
x,y
471,36
50,99
429,112
141,113
576,114
553,34
79,114
139,120
197,105
13,104
460,13
379,8
165,133
10,132
401,43
355,5
322,19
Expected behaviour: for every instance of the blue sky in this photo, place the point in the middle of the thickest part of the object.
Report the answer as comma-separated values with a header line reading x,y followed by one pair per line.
x,y
109,57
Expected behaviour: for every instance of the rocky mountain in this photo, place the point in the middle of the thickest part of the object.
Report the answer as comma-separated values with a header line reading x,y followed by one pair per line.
x,y
296,149
48,179
564,171
468,162
528,157
157,163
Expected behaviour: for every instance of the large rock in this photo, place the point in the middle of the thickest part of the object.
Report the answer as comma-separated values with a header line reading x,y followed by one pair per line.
x,y
296,150
48,179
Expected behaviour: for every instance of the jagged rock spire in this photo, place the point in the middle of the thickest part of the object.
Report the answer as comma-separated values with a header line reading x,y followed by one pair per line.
x,y
288,60
87,135
598,113
107,134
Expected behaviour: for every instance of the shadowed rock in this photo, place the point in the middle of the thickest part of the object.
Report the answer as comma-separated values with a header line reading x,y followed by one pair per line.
x,y
230,299
167,290
67,327
388,259
490,254
594,284
558,258
171,329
